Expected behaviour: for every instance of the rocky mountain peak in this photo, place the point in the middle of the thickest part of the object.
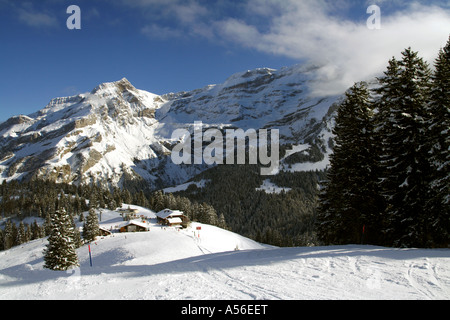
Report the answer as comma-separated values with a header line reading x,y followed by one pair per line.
x,y
118,133
114,88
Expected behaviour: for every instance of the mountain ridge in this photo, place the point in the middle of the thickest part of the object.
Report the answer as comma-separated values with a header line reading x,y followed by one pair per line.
x,y
118,133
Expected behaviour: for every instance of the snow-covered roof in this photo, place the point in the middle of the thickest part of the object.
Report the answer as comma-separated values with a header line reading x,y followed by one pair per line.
x,y
127,210
175,220
168,213
137,223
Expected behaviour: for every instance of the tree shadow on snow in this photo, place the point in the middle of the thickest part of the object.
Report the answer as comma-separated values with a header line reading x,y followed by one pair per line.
x,y
111,262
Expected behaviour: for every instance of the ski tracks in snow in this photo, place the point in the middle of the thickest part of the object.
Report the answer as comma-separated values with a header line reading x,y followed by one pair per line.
x,y
359,275
423,277
231,282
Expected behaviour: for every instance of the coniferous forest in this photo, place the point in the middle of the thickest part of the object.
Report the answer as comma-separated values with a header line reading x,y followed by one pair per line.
x,y
389,177
388,183
58,206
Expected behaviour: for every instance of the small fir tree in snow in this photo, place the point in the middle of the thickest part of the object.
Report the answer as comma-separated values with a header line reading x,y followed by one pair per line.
x,y
22,234
91,226
60,254
36,231
76,235
8,240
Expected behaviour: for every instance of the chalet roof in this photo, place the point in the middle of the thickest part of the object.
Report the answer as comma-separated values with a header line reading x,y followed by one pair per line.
x,y
175,220
168,213
137,223
130,210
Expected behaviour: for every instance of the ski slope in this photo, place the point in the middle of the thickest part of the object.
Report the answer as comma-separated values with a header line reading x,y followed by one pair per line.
x,y
166,264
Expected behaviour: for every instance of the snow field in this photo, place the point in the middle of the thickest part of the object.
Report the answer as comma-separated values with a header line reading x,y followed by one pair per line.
x,y
166,264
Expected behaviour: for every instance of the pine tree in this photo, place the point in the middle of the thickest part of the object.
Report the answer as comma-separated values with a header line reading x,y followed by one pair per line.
x,y
2,240
91,227
117,197
47,224
401,129
94,201
158,202
21,234
60,254
35,231
76,236
141,200
77,204
221,223
126,197
438,205
27,233
348,202
8,240
14,234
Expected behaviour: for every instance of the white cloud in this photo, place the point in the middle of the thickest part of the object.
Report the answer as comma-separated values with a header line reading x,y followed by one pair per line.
x,y
190,12
36,19
347,50
173,19
155,31
315,31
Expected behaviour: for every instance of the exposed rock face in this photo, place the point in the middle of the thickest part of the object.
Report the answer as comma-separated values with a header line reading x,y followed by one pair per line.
x,y
117,133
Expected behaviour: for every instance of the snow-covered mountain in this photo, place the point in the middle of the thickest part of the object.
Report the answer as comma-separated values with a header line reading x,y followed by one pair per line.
x,y
118,134
166,264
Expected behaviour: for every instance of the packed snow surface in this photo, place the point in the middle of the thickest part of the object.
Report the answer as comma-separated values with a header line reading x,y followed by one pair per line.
x,y
213,263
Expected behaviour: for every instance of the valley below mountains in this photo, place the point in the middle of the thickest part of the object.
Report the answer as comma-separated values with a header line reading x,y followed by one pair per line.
x,y
118,136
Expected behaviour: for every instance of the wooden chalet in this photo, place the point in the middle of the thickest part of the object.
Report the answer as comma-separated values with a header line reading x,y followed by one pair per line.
x,y
135,226
172,218
104,232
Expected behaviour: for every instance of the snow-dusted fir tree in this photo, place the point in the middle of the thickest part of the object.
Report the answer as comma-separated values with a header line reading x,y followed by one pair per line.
x,y
348,201
207,214
8,235
402,129
76,235
60,254
91,226
438,205
22,234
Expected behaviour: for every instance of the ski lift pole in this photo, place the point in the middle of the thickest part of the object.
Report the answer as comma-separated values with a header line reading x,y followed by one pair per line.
x,y
90,256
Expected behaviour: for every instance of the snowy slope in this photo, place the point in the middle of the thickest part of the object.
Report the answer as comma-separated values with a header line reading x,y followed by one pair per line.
x,y
168,264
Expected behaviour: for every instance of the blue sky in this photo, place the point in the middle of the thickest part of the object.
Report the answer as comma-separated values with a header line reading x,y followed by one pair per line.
x,y
167,46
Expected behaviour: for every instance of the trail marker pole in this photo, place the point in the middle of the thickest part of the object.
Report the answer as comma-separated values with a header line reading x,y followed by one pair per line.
x,y
90,256
363,233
